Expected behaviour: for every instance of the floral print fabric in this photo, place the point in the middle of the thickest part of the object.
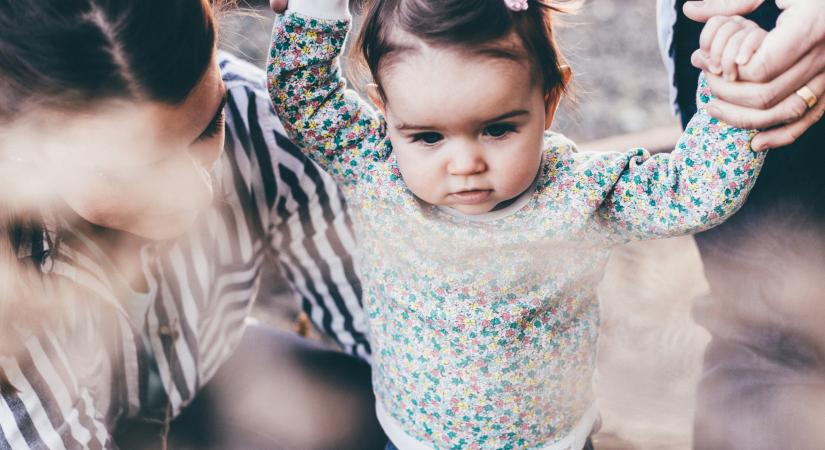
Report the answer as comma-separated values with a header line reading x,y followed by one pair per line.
x,y
484,331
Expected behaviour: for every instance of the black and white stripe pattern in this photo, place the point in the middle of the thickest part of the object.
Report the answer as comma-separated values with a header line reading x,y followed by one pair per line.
x,y
74,381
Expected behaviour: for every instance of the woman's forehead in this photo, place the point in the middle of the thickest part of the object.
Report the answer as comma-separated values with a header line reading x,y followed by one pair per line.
x,y
121,133
187,120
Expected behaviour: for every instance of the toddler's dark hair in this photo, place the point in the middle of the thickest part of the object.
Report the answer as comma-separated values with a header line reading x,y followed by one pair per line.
x,y
457,23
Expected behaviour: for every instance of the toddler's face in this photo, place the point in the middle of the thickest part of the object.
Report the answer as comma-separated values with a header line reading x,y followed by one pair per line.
x,y
467,129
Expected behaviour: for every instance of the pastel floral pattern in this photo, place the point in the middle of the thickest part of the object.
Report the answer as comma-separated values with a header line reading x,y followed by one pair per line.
x,y
484,332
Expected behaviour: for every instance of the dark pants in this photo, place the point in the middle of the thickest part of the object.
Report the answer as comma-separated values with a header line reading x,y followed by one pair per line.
x,y
277,391
763,385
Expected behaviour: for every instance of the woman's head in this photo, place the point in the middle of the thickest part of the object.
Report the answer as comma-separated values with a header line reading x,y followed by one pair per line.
x,y
110,107
114,105
468,88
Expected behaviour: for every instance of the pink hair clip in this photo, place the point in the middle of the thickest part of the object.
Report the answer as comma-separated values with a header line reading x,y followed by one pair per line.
x,y
516,5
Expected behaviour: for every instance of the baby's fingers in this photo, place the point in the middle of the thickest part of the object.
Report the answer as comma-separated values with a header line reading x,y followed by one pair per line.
x,y
750,45
709,32
730,52
720,41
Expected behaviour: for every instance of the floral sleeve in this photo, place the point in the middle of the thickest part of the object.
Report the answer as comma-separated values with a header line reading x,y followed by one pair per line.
x,y
332,124
697,186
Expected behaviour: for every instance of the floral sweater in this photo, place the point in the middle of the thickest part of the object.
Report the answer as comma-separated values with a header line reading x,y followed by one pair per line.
x,y
484,328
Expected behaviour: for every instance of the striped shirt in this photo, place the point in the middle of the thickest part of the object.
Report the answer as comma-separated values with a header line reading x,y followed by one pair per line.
x,y
77,378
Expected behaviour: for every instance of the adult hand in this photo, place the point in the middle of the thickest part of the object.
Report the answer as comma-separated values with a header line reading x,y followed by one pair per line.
x,y
790,57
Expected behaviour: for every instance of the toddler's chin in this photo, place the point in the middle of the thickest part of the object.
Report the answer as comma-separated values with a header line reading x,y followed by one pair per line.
x,y
473,210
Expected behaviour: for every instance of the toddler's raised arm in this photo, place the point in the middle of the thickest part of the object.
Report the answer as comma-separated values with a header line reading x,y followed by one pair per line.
x,y
329,122
700,184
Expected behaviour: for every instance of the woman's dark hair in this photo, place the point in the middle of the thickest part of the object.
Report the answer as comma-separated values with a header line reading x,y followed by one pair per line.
x,y
67,55
462,23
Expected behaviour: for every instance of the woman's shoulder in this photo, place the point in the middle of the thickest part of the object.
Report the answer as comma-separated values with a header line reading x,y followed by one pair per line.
x,y
253,128
260,163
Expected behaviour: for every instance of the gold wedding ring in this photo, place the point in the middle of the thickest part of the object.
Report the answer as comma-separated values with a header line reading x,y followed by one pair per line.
x,y
807,96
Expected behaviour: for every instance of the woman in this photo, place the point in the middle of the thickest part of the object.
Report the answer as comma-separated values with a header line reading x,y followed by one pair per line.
x,y
763,381
145,185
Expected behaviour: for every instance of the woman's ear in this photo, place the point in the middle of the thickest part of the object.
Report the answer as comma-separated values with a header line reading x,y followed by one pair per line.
x,y
375,97
552,99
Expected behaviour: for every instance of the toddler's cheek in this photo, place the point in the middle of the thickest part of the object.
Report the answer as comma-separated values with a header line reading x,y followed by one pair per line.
x,y
423,186
423,181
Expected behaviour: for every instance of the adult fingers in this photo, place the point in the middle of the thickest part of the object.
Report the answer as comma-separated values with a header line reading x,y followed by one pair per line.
x,y
789,110
702,11
788,134
800,30
765,95
278,6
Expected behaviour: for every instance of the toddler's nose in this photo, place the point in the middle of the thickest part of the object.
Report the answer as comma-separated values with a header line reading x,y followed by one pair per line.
x,y
466,161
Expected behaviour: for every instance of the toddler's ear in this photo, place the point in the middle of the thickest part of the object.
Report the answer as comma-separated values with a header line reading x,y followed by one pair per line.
x,y
375,97
566,74
552,99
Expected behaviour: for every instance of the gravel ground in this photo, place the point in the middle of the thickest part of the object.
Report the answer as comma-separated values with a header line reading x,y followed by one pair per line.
x,y
621,83
650,350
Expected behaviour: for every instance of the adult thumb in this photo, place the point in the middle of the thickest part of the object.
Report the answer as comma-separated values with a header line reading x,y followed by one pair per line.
x,y
702,11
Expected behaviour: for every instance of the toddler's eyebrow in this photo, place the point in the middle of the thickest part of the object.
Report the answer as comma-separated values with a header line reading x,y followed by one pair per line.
x,y
509,115
407,127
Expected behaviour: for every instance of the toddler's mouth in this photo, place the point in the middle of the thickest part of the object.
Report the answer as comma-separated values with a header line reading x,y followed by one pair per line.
x,y
472,196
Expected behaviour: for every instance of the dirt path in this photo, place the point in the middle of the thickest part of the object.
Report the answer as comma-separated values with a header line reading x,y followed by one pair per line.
x,y
650,349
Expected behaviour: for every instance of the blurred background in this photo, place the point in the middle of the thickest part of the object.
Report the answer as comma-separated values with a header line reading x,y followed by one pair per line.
x,y
620,82
650,349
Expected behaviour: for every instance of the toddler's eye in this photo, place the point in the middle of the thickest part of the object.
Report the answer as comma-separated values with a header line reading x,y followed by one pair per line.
x,y
499,130
429,138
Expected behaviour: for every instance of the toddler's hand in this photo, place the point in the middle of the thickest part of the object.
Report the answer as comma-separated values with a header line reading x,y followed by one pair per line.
x,y
279,6
728,43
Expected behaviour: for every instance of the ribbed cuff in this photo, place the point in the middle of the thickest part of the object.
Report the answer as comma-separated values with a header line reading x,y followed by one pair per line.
x,y
320,9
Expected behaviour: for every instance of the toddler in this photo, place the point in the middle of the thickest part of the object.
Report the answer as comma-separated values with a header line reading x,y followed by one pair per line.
x,y
482,235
